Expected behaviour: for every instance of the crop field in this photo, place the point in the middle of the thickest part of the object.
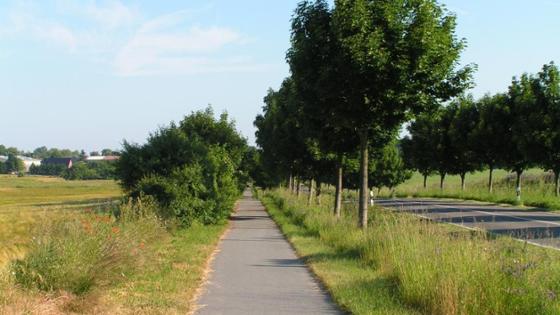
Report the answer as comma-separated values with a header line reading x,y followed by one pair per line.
x,y
536,186
25,202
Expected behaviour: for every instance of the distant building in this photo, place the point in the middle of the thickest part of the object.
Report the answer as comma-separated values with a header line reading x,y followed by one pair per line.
x,y
107,158
27,161
67,162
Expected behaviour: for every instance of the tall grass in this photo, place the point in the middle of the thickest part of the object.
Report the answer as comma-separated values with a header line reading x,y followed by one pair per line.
x,y
76,253
437,269
27,202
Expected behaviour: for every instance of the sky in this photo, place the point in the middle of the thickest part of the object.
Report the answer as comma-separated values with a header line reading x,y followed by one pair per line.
x,y
89,74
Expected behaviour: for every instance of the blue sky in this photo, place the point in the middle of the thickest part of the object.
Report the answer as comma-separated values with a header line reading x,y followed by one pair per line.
x,y
88,74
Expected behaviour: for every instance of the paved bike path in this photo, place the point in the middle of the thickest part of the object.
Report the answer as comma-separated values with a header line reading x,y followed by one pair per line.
x,y
256,271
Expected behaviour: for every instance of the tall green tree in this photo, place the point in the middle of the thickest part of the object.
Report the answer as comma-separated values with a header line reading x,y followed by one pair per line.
x,y
520,104
419,146
492,133
463,144
319,73
279,133
402,55
14,164
388,168
544,122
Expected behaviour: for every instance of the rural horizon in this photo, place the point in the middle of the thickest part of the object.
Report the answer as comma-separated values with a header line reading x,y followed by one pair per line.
x,y
287,157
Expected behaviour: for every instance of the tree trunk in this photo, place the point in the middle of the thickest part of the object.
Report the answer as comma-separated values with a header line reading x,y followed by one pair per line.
x,y
441,180
557,183
338,192
298,192
425,180
318,193
462,181
491,180
310,195
364,187
518,185
291,183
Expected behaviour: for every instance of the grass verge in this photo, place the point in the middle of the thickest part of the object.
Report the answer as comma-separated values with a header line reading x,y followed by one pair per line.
x,y
354,286
405,265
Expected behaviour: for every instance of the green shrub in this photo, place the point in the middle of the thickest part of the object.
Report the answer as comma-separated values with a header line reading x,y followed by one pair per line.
x,y
78,253
47,169
194,192
193,169
90,170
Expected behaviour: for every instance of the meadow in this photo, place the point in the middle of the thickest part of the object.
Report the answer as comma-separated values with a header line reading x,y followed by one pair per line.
x,y
405,265
537,188
28,201
78,247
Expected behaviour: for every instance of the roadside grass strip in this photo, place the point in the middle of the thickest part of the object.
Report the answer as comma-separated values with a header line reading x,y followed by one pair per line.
x,y
406,265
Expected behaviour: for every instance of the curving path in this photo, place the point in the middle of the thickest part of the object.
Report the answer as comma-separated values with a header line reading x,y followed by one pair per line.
x,y
256,271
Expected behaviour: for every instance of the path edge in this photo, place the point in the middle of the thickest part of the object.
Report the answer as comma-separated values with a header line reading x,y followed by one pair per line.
x,y
321,283
207,272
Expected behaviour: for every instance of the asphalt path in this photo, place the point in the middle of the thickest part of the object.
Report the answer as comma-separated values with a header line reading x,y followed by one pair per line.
x,y
256,271
531,225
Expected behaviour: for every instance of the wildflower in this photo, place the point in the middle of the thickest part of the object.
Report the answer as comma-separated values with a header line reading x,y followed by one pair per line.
x,y
115,229
142,245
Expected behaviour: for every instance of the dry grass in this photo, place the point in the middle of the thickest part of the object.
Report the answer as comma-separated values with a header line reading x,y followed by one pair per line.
x,y
162,280
26,202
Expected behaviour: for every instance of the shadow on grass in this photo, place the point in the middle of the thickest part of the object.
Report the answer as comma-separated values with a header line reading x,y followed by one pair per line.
x,y
94,202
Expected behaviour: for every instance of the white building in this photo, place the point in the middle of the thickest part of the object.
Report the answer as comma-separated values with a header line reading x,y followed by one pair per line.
x,y
27,161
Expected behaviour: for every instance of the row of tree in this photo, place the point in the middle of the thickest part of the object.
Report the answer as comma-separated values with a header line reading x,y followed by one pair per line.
x,y
359,70
44,152
81,170
515,130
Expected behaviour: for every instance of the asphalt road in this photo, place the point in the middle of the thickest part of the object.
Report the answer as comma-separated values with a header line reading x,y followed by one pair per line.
x,y
537,227
256,271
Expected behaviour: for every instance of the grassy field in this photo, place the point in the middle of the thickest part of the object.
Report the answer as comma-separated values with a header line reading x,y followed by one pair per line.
x,y
537,191
404,265
75,256
28,201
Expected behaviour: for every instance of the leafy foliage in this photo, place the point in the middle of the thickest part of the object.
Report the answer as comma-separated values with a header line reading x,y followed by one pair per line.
x,y
193,169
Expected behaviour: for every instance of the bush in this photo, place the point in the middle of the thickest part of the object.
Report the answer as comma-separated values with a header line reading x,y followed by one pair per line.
x,y
192,169
78,253
47,169
194,192
90,170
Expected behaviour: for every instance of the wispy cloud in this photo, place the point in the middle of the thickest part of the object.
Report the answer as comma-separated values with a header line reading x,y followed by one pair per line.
x,y
112,15
163,45
56,33
128,43
20,23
